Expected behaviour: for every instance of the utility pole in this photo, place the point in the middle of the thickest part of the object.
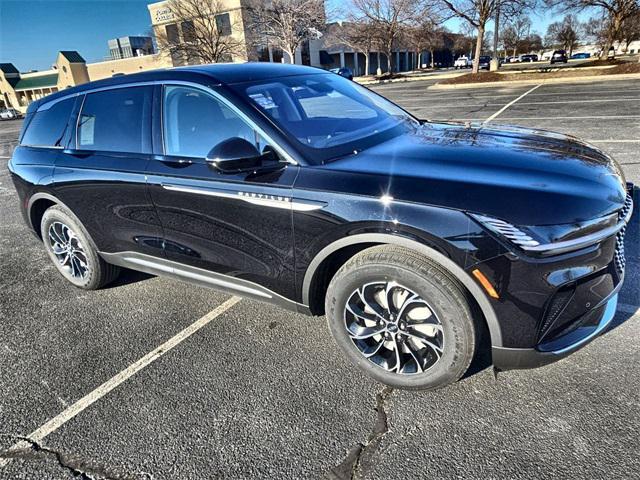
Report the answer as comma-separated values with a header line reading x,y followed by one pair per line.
x,y
495,62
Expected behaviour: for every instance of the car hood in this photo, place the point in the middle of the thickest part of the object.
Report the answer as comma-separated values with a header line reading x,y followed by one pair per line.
x,y
523,176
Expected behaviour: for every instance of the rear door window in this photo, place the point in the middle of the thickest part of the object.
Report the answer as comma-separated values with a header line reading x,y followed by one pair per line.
x,y
116,121
46,128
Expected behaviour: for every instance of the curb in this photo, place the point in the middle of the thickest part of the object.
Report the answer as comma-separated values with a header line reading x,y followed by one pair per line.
x,y
585,79
416,78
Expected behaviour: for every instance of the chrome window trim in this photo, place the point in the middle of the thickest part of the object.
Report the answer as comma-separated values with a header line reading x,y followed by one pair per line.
x,y
197,86
55,147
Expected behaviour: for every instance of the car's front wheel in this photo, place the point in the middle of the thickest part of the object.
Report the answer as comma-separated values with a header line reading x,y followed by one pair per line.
x,y
72,251
401,318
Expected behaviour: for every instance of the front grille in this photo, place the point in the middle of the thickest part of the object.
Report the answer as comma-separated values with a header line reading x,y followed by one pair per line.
x,y
619,257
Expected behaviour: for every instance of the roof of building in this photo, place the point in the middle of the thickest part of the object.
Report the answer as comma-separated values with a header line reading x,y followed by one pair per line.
x,y
8,68
39,81
72,56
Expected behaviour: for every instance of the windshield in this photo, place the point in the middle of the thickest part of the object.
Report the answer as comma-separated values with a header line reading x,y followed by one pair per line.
x,y
328,115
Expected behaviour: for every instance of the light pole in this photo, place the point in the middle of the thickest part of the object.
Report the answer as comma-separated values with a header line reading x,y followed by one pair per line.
x,y
495,62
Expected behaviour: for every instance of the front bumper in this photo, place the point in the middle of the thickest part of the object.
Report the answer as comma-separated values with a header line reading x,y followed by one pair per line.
x,y
521,358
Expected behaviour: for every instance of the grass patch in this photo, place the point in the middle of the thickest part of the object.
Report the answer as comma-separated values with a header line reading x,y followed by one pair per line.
x,y
621,67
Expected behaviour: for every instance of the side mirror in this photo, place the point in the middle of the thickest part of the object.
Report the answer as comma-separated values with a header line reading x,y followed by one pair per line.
x,y
234,155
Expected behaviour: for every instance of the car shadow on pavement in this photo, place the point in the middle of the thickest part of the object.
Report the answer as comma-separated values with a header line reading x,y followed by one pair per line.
x,y
128,277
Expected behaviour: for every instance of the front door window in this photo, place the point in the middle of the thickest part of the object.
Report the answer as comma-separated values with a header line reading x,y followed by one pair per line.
x,y
195,121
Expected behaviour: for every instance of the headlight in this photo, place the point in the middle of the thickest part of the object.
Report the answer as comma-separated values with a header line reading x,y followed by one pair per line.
x,y
508,231
556,239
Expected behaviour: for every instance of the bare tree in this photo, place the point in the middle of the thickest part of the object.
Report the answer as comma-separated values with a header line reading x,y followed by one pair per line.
x,y
425,35
515,32
287,24
477,13
202,32
629,31
358,35
531,43
389,17
565,33
617,11
596,30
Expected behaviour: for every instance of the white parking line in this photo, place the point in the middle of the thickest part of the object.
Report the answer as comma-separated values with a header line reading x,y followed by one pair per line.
x,y
613,141
560,102
607,117
86,401
511,103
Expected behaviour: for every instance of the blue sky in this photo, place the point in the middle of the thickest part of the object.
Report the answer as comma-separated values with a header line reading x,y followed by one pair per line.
x,y
33,31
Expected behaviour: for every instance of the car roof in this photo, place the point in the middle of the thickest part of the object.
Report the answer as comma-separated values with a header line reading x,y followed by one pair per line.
x,y
219,73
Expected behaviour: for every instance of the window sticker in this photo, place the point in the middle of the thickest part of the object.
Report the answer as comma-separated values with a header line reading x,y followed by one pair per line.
x,y
263,101
87,124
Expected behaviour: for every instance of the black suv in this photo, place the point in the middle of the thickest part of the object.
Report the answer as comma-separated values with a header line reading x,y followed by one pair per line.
x,y
559,56
295,186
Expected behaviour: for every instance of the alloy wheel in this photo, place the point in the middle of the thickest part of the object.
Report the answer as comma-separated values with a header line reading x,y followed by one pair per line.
x,y
394,328
68,249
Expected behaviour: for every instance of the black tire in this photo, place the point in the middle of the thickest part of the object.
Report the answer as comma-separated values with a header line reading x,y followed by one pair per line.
x,y
434,285
98,273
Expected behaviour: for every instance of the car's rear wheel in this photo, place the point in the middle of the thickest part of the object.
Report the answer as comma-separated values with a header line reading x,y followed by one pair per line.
x,y
72,251
401,318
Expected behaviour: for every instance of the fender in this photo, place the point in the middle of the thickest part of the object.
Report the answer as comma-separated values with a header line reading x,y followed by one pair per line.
x,y
449,265
39,196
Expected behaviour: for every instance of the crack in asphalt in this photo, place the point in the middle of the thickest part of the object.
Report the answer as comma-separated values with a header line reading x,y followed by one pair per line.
x,y
360,453
79,467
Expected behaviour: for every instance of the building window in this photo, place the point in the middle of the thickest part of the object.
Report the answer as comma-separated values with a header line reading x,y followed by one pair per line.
x,y
223,24
172,33
188,32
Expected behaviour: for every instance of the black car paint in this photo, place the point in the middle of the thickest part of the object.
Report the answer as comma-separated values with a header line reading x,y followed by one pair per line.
x,y
414,190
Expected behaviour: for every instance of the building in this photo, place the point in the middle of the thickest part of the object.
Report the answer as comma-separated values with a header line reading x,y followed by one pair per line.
x,y
234,21
18,90
133,54
127,47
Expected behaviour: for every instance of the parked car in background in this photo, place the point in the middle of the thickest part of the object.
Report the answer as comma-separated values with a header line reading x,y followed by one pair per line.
x,y
513,59
462,62
529,58
581,55
484,62
9,114
558,56
343,72
334,202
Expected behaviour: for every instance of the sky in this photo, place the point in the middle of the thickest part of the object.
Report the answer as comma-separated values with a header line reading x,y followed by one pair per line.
x,y
33,31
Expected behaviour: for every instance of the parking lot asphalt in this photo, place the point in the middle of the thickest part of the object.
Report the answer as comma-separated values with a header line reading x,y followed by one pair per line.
x,y
259,392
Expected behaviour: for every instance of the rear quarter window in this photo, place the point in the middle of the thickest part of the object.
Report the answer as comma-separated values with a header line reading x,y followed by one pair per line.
x,y
116,121
46,128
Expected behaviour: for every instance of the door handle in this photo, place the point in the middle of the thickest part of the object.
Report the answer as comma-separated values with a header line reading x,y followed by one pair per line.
x,y
77,153
176,162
